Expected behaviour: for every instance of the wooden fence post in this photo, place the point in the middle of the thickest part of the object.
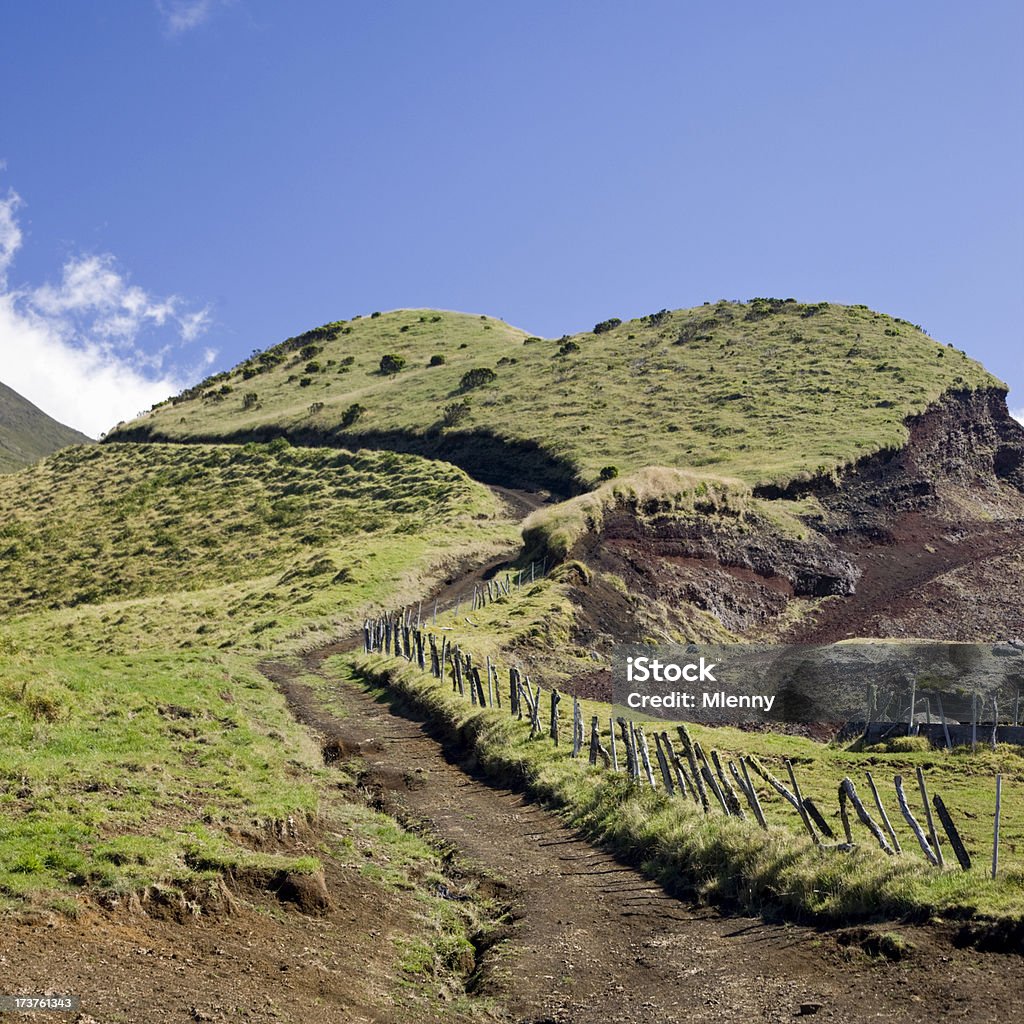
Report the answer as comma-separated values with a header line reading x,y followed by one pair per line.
x,y
691,759
735,808
748,792
709,776
847,789
954,836
645,756
932,834
885,817
666,775
577,727
995,829
995,721
596,746
615,753
805,817
686,786
556,699
922,839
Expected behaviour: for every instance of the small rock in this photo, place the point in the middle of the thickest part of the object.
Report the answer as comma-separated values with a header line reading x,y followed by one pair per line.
x,y
807,1009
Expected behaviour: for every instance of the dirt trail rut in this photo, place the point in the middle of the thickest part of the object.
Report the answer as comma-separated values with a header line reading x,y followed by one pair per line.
x,y
595,941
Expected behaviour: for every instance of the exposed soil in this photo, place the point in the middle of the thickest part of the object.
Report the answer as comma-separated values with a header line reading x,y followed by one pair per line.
x,y
927,541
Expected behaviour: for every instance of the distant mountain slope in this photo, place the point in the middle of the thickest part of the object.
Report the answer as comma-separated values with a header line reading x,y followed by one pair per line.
x,y
27,433
768,390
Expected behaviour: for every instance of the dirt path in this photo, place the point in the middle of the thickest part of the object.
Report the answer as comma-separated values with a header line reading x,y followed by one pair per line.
x,y
594,941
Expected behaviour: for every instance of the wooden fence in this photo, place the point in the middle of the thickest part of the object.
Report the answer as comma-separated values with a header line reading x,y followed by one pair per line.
x,y
682,768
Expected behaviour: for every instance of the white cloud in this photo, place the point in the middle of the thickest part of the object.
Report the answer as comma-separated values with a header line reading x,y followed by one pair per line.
x,y
10,233
73,348
1018,415
184,15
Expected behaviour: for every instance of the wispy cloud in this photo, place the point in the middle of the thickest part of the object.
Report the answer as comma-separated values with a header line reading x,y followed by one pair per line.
x,y
74,347
180,16
1018,415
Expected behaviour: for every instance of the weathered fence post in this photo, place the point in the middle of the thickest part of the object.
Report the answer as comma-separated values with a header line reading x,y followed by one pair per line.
x,y
691,759
995,828
666,775
709,776
805,817
932,834
735,808
922,839
597,748
847,789
755,802
615,753
885,817
685,785
954,836
645,756
995,721
747,790
556,699
577,727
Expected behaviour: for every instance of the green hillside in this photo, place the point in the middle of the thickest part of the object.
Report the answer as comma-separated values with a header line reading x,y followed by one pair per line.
x,y
144,583
27,433
765,390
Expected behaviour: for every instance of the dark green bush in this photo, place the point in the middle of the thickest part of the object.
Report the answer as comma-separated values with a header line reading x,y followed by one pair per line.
x,y
437,360
455,413
391,364
606,325
609,473
477,377
250,399
567,348
304,382
351,414
313,367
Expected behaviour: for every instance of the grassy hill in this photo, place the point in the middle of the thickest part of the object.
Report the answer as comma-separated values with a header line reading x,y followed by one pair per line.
x,y
27,433
138,740
766,390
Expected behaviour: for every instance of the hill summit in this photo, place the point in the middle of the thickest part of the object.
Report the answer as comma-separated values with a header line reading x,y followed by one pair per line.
x,y
767,391
27,433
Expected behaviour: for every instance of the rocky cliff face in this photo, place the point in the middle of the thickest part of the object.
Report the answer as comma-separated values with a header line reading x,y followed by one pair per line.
x,y
926,541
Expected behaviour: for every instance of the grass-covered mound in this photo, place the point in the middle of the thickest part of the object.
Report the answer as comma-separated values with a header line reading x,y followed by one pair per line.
x,y
766,390
140,747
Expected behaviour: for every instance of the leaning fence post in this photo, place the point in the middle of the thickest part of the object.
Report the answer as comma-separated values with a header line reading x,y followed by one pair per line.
x,y
596,746
666,776
645,755
685,786
709,777
885,817
750,796
932,834
848,789
735,808
691,759
800,803
755,803
954,836
922,839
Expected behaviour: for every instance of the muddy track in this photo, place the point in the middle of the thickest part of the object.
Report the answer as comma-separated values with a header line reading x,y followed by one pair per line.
x,y
595,941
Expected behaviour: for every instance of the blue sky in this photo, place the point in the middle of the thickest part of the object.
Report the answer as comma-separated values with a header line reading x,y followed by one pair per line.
x,y
186,181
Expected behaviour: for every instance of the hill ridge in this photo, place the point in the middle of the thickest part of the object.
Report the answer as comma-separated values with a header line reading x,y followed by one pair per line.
x,y
27,433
